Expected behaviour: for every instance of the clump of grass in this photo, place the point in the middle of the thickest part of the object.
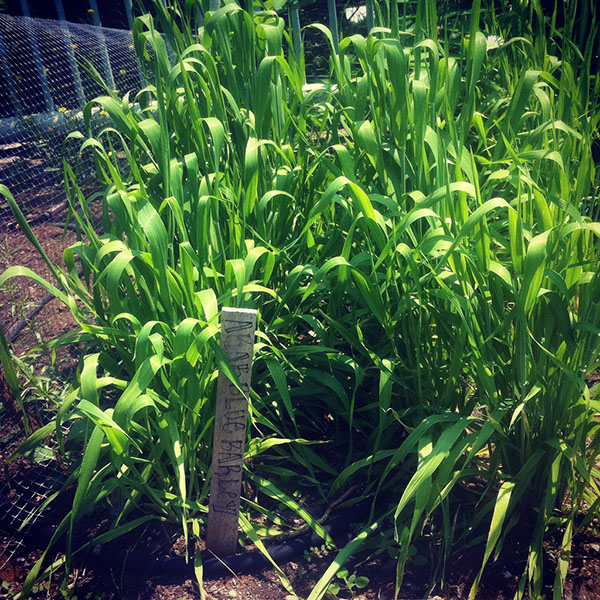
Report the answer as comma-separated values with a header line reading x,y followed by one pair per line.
x,y
418,240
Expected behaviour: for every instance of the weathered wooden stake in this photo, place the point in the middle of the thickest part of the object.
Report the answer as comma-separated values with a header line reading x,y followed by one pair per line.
x,y
237,341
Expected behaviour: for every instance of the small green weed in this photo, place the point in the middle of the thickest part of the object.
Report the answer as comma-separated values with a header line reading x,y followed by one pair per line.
x,y
348,584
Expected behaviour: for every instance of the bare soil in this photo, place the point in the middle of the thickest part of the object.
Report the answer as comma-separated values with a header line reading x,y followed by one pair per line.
x,y
125,581
19,295
130,580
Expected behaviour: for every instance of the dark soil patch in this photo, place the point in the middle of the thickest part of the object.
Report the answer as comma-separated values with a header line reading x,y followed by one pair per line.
x,y
20,294
129,581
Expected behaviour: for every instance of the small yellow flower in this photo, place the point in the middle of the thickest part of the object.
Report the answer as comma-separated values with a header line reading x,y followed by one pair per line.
x,y
62,109
91,11
110,152
103,113
115,91
46,70
122,72
131,46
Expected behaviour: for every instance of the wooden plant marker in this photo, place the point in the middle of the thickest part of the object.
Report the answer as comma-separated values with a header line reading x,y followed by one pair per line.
x,y
237,341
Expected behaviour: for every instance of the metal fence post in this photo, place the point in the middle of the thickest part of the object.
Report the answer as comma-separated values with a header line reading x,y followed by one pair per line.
x,y
10,79
37,58
333,23
129,13
103,49
295,20
370,19
60,11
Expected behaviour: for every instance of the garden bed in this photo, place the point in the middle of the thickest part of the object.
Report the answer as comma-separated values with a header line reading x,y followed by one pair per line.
x,y
125,580
419,240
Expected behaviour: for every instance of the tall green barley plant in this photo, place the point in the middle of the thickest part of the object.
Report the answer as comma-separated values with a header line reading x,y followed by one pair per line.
x,y
418,236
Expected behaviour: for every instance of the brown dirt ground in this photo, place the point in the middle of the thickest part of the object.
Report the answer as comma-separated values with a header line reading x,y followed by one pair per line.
x,y
111,583
19,295
125,582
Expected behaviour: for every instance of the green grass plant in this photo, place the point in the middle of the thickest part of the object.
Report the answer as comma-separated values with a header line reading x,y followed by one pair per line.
x,y
419,238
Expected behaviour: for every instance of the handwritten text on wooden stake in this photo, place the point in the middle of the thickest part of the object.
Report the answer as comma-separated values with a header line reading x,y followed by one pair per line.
x,y
237,342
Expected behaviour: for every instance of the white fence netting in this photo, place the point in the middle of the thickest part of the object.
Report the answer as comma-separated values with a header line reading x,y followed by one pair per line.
x,y
43,88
